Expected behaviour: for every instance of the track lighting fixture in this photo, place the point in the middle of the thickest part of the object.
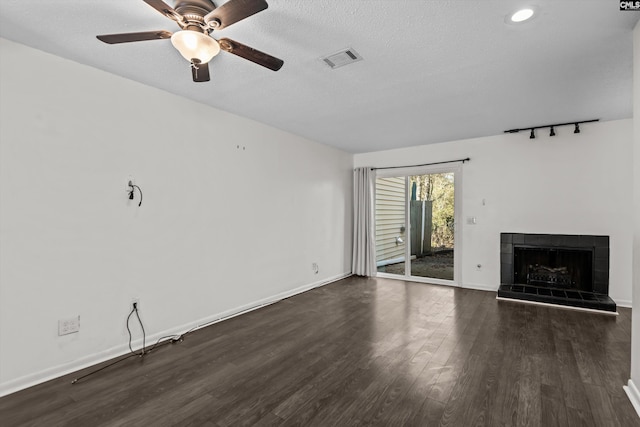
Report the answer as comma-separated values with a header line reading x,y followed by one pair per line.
x,y
552,131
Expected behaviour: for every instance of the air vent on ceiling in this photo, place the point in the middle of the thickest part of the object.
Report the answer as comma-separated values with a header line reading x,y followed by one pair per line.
x,y
342,58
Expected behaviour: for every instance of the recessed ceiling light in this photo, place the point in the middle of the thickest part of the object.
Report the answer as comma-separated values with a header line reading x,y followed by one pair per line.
x,y
522,15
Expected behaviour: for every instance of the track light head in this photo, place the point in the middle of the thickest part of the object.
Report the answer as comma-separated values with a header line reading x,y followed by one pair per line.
x,y
533,135
553,132
577,129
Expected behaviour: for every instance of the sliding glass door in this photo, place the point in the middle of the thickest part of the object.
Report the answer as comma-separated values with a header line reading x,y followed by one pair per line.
x,y
416,217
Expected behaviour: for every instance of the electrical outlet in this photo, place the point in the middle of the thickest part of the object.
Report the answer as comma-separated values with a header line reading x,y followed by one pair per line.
x,y
68,326
130,182
315,268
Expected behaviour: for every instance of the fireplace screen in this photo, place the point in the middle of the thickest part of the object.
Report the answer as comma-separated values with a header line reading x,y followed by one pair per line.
x,y
554,267
543,275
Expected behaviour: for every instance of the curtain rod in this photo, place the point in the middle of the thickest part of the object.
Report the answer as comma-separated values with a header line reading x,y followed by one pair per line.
x,y
425,164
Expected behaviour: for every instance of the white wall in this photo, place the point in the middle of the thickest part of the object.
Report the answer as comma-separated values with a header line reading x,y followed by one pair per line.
x,y
220,229
566,184
634,383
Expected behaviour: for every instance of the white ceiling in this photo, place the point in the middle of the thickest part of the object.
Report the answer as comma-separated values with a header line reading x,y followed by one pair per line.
x,y
433,71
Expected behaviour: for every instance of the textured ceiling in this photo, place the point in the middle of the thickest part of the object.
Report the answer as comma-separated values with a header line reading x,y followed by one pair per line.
x,y
433,71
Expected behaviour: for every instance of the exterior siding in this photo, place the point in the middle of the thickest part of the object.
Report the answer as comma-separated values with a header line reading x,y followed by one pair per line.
x,y
390,218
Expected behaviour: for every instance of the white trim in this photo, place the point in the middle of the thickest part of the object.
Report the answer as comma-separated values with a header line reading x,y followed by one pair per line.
x,y
623,303
565,307
31,380
390,276
479,287
418,279
385,262
633,394
458,207
433,281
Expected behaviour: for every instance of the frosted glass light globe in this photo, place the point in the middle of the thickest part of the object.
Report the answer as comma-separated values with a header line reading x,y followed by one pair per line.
x,y
194,45
522,15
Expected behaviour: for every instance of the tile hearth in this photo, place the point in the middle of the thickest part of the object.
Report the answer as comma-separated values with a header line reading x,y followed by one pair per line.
x,y
579,299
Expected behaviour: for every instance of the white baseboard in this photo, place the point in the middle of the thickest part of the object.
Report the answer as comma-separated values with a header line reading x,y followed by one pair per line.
x,y
36,378
634,395
103,356
480,287
623,303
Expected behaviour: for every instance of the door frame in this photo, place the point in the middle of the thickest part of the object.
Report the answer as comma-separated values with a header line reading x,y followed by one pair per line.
x,y
457,213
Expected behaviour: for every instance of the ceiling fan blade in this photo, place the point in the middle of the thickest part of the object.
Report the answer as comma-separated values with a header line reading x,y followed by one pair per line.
x,y
251,54
164,9
232,12
134,37
200,72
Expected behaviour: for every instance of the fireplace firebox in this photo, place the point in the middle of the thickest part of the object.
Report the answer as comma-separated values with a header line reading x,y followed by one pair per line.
x,y
570,270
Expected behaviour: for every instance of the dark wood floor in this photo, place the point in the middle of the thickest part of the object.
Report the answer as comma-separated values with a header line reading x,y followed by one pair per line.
x,y
363,351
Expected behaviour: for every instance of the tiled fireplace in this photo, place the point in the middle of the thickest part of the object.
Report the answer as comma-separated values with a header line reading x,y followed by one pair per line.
x,y
560,269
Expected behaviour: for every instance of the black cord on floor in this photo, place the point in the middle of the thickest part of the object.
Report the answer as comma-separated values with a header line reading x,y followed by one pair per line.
x,y
161,341
173,338
128,356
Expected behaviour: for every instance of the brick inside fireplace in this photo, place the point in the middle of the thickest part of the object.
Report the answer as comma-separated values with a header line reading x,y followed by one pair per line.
x,y
570,270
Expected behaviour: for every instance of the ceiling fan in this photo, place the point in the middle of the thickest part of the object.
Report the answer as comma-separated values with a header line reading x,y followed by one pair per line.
x,y
197,19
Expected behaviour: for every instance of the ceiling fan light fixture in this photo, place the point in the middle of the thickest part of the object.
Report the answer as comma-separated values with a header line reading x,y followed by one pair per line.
x,y
522,15
195,45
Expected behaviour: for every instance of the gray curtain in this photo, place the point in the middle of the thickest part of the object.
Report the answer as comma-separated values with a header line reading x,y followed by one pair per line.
x,y
364,245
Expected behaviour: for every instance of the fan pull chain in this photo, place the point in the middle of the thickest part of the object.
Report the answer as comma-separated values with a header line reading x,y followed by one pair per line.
x,y
195,67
